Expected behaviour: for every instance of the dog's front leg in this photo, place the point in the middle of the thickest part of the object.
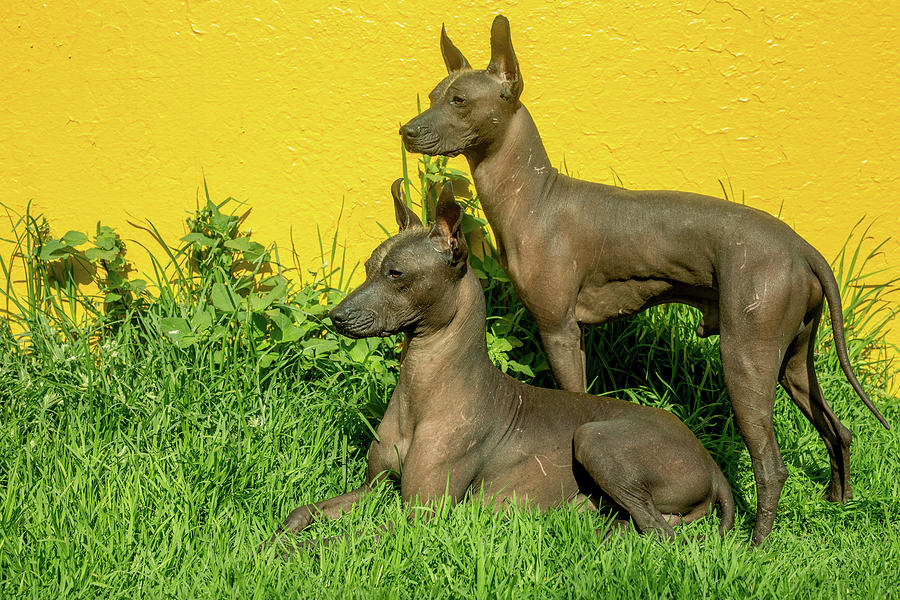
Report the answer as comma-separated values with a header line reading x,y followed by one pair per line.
x,y
565,351
383,463
439,468
304,516
332,508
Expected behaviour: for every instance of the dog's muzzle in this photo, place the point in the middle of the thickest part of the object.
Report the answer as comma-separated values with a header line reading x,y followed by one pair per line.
x,y
420,138
353,322
412,134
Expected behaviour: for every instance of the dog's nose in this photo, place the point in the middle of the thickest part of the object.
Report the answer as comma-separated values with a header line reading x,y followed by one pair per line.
x,y
410,131
353,321
340,314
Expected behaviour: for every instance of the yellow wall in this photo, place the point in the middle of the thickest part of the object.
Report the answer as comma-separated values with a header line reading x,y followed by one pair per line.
x,y
111,109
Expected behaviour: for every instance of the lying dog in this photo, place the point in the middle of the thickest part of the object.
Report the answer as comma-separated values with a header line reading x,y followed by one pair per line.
x,y
581,252
455,422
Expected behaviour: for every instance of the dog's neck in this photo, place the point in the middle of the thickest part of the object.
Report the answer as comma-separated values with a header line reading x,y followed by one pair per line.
x,y
512,173
439,364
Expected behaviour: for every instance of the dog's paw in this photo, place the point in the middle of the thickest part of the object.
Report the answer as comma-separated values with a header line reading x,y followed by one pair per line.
x,y
839,495
299,519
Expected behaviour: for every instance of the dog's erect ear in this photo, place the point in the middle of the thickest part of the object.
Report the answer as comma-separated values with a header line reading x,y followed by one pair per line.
x,y
405,217
446,234
453,58
503,63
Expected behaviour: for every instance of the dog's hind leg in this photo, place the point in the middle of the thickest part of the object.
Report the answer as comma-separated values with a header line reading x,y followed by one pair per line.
x,y
616,469
759,324
759,317
750,379
800,381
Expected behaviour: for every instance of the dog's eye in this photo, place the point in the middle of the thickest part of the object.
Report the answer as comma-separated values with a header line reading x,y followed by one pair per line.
x,y
395,274
458,101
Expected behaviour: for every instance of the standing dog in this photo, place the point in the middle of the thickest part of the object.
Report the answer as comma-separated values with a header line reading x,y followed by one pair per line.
x,y
581,252
455,422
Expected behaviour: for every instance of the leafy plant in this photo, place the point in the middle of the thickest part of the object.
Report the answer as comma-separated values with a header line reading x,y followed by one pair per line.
x,y
120,294
218,298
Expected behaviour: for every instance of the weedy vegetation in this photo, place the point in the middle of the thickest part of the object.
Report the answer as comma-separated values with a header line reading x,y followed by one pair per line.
x,y
154,432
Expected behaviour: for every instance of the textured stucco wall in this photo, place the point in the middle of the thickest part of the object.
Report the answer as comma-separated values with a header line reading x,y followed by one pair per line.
x,y
110,108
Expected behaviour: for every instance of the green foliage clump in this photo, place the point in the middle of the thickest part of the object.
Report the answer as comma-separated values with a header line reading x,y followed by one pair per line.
x,y
217,299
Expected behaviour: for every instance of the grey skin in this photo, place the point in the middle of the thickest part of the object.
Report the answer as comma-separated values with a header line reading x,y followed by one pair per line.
x,y
584,253
456,423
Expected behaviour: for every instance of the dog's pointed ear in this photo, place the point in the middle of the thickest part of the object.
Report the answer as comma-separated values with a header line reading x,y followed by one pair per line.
x,y
453,58
446,234
504,64
405,217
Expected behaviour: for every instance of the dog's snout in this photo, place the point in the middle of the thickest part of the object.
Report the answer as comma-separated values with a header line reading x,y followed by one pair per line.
x,y
410,131
353,321
341,314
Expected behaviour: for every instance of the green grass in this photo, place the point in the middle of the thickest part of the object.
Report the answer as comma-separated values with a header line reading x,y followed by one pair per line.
x,y
132,466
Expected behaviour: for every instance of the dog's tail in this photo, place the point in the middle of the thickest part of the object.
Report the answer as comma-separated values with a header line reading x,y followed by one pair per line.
x,y
822,271
725,500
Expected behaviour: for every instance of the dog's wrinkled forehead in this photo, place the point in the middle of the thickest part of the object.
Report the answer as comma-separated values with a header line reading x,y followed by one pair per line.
x,y
403,247
466,77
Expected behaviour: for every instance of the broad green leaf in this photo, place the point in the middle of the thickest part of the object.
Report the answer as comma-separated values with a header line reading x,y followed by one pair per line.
x,y
74,238
279,319
259,322
138,286
298,315
244,244
471,223
498,344
358,351
513,341
291,333
520,368
221,223
115,280
199,238
201,320
94,254
53,249
255,253
219,331
105,238
318,346
177,330
259,303
493,269
317,309
264,300
224,298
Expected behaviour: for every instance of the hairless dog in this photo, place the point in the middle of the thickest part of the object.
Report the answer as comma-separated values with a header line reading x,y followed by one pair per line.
x,y
455,422
581,252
